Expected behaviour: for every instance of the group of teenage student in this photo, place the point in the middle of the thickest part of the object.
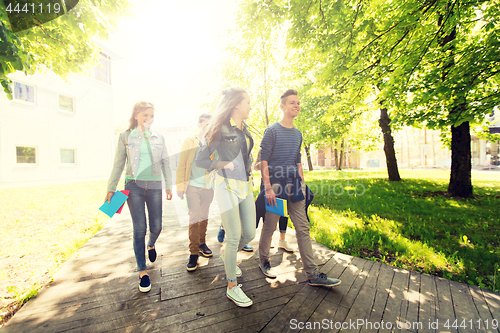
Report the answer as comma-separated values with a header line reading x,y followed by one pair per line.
x,y
217,162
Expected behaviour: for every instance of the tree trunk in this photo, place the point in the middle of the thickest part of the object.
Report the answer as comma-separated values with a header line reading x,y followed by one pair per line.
x,y
336,154
460,177
308,154
341,159
390,153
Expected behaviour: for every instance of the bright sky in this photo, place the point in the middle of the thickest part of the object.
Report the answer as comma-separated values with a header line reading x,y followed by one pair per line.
x,y
170,51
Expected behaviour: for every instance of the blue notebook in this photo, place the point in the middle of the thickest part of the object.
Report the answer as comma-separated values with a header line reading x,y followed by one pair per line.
x,y
117,200
280,209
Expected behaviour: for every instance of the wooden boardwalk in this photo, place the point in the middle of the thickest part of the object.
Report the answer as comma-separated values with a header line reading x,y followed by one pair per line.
x,y
96,291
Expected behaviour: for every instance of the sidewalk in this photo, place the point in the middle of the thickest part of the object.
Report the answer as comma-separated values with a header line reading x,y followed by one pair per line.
x,y
97,291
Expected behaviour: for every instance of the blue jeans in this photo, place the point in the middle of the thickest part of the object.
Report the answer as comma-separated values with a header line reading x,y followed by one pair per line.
x,y
238,220
138,198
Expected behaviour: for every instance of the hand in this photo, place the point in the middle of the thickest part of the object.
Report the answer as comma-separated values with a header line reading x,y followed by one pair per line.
x,y
169,194
271,198
108,196
229,166
180,194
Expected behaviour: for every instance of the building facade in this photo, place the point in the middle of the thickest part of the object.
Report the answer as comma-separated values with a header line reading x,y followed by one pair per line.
x,y
54,131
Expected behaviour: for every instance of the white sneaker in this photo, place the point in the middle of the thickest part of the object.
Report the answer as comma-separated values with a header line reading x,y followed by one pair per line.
x,y
238,296
238,270
284,245
272,244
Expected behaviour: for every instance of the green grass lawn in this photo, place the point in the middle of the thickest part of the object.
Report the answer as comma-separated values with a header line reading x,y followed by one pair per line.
x,y
411,224
41,227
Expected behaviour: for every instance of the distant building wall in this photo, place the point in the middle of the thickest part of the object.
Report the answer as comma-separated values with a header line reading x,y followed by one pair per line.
x,y
69,126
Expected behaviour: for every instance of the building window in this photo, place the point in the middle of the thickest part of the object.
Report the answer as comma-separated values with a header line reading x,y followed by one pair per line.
x,y
24,93
67,156
66,104
26,155
102,71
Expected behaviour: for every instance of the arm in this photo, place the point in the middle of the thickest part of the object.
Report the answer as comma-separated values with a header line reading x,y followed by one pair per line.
x,y
299,161
208,160
118,164
270,195
301,171
257,163
180,179
265,153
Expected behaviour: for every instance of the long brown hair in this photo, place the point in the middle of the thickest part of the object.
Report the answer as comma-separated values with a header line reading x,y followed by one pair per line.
x,y
231,97
138,108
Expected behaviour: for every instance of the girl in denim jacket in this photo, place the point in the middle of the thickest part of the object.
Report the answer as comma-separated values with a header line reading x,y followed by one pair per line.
x,y
145,153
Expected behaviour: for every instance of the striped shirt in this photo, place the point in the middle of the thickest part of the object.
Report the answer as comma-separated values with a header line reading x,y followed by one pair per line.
x,y
281,146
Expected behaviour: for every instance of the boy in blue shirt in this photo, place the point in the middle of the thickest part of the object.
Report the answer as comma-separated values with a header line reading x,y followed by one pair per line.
x,y
283,177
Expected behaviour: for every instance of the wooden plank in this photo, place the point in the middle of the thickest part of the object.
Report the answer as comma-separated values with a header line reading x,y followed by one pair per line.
x,y
288,312
427,300
493,301
248,328
337,259
350,297
177,310
227,310
356,275
384,282
396,302
484,325
62,312
338,263
409,320
465,310
445,310
308,306
243,324
339,317
213,278
361,308
348,276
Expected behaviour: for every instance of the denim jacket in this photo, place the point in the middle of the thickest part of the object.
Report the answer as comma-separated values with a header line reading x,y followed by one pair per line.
x,y
229,145
128,150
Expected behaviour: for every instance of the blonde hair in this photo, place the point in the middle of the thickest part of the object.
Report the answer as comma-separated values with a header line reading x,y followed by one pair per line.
x,y
138,108
231,97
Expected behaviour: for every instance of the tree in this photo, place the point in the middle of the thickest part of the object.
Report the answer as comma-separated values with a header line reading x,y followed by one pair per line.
x,y
65,44
253,61
435,62
317,55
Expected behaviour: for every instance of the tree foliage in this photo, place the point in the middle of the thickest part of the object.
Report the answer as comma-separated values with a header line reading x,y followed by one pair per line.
x,y
434,62
65,45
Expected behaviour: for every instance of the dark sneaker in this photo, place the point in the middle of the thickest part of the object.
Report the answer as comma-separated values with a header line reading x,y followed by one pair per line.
x,y
324,281
265,266
221,235
247,248
145,284
205,251
193,263
152,255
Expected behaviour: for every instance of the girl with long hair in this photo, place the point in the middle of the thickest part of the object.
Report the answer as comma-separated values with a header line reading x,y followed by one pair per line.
x,y
228,149
145,153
